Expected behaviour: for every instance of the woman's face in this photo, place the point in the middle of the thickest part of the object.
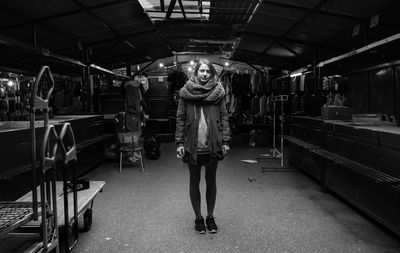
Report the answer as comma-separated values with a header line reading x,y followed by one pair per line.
x,y
203,74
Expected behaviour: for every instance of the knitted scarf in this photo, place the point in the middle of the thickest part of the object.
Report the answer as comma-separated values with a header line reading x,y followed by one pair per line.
x,y
209,93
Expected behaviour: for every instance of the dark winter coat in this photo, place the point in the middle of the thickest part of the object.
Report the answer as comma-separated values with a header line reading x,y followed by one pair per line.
x,y
133,103
187,124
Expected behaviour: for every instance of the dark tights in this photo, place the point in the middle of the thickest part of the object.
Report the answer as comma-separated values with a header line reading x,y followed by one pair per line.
x,y
211,190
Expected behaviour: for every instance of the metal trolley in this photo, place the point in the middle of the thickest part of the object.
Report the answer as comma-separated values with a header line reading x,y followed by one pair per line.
x,y
13,215
68,148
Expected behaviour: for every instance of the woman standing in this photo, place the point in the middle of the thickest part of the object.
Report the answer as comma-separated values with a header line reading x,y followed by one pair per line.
x,y
202,136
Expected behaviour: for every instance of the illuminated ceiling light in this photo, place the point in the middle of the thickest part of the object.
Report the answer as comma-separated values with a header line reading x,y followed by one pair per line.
x,y
161,65
226,63
10,83
190,69
191,62
295,74
381,72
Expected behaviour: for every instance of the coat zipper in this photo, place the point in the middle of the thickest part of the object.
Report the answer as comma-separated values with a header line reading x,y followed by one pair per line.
x,y
195,111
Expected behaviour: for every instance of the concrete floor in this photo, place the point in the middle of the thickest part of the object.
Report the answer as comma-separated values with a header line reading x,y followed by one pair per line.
x,y
278,212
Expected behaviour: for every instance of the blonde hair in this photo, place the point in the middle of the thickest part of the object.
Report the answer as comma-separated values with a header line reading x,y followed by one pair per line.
x,y
201,61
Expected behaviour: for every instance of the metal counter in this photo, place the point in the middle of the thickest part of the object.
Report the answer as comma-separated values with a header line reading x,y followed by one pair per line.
x,y
377,146
341,148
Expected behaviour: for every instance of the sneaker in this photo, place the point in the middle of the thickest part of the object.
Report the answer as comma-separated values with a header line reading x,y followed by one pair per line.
x,y
211,226
199,225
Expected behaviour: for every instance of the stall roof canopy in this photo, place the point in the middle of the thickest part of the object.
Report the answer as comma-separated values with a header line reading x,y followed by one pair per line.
x,y
282,34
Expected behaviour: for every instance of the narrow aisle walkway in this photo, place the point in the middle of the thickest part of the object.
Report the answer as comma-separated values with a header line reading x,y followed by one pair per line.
x,y
279,212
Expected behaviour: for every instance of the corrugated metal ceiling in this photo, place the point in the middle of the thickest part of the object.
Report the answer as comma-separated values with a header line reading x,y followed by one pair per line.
x,y
285,34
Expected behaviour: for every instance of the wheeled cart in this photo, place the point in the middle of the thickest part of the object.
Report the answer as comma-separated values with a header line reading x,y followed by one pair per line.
x,y
31,223
85,199
13,215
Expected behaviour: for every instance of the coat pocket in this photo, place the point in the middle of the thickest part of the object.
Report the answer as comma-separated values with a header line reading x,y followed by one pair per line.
x,y
218,136
187,128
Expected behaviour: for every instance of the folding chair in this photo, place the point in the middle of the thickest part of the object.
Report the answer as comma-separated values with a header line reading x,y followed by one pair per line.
x,y
129,143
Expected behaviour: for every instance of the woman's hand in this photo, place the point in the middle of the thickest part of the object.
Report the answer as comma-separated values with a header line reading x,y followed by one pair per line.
x,y
180,152
225,149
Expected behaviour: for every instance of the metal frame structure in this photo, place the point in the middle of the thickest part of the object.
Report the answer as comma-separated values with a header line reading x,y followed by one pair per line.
x,y
277,153
16,214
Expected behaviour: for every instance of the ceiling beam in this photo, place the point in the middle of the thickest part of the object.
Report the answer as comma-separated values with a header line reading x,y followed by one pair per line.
x,y
170,9
162,5
360,50
288,40
247,22
104,51
272,63
249,51
145,67
312,11
107,71
187,12
131,56
254,67
194,39
307,9
101,21
64,14
262,56
200,4
19,45
291,28
287,48
200,22
33,22
23,46
125,36
182,8
197,12
113,39
23,69
327,13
